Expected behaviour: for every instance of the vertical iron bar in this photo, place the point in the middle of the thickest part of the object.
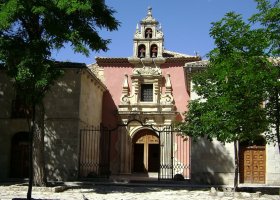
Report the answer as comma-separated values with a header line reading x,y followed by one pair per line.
x,y
80,150
172,156
92,145
109,149
159,146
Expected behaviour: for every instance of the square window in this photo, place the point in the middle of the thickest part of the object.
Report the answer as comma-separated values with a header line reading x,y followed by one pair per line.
x,y
146,92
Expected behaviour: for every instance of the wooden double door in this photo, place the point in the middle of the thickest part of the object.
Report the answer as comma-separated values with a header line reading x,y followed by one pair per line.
x,y
252,164
146,153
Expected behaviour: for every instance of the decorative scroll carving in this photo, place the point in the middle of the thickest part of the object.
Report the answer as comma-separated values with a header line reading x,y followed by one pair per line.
x,y
147,71
167,98
125,98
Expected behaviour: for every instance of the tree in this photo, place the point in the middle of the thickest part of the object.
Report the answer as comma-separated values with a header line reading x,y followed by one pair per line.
x,y
233,87
269,18
29,30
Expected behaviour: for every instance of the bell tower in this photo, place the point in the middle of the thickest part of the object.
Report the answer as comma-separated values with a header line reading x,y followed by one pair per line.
x,y
148,41
150,94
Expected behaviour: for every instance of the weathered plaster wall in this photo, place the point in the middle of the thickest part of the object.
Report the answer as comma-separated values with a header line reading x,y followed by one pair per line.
x,y
74,101
212,162
179,90
90,112
62,126
272,165
114,77
8,126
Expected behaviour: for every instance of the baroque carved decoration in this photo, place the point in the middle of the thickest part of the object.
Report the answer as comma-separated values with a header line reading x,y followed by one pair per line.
x,y
125,98
147,71
167,98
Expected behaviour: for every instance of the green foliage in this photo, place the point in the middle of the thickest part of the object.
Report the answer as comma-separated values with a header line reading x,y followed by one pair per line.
x,y
30,29
269,18
234,86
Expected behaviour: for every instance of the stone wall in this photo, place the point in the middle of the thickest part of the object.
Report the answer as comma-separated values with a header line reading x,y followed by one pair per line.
x,y
75,100
212,162
90,112
272,165
73,103
8,125
62,126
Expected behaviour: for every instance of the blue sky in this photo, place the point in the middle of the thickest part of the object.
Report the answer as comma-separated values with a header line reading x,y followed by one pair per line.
x,y
185,23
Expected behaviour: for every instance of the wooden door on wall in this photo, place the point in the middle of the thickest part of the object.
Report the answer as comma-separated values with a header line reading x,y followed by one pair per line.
x,y
252,164
20,156
146,152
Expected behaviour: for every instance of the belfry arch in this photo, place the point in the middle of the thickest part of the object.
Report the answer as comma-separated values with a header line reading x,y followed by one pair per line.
x,y
141,51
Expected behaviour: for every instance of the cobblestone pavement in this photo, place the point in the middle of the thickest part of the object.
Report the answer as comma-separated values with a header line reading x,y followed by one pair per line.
x,y
111,192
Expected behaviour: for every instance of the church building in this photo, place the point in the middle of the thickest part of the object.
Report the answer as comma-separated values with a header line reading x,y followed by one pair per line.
x,y
117,117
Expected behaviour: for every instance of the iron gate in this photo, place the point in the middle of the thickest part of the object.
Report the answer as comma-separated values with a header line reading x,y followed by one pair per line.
x,y
95,155
175,154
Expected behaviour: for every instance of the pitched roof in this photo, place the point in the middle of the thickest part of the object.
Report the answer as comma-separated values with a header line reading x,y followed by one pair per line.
x,y
173,54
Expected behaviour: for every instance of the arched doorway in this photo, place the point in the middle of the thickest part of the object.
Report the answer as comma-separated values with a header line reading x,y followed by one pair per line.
x,y
19,155
146,151
252,161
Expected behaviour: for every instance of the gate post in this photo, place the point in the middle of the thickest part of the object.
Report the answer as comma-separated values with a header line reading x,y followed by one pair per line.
x,y
109,154
172,153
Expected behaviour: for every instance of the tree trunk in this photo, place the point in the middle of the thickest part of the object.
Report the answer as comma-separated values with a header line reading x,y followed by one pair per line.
x,y
277,116
236,166
39,174
36,150
31,131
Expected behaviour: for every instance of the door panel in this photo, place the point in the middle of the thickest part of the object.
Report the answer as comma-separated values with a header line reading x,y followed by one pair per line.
x,y
146,152
139,158
153,158
252,164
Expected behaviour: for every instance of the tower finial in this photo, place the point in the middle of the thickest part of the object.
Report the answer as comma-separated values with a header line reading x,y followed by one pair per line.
x,y
149,11
160,27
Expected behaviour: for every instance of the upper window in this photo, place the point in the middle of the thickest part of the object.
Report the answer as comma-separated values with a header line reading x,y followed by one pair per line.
x,y
148,33
147,92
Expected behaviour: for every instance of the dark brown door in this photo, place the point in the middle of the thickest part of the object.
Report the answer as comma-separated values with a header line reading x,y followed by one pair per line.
x,y
19,156
153,157
252,164
146,152
139,158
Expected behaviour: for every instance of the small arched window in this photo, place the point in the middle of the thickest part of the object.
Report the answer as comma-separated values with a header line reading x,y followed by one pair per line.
x,y
141,51
154,51
148,33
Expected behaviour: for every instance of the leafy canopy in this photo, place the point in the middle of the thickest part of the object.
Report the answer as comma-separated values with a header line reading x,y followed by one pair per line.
x,y
234,85
30,29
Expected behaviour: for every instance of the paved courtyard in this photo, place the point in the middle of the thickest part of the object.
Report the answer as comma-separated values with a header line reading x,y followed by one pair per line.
x,y
113,192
